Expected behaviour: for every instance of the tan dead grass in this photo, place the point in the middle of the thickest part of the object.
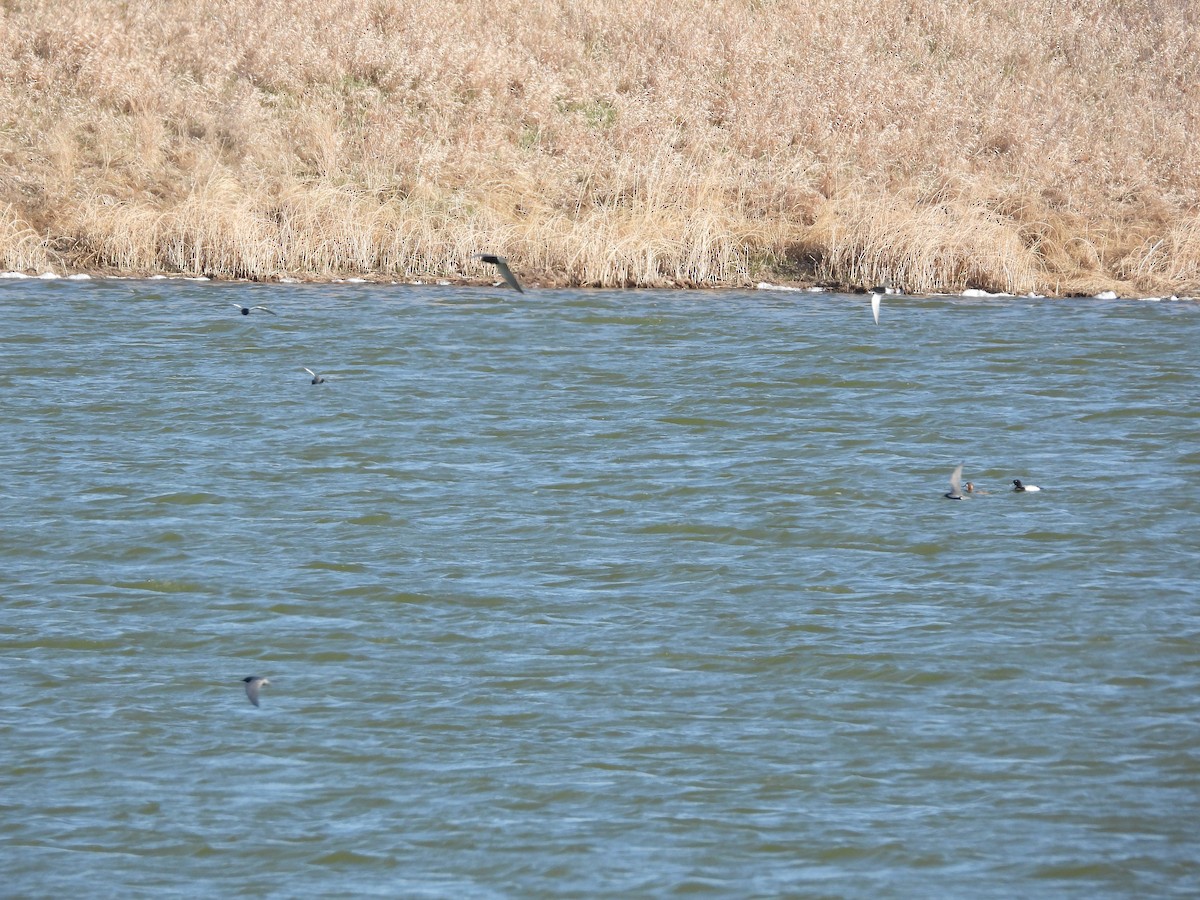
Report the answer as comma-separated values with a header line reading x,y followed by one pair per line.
x,y
21,248
935,144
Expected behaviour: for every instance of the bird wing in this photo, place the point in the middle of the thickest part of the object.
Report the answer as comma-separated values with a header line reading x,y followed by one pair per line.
x,y
309,371
875,307
509,278
956,480
264,309
252,691
238,305
505,272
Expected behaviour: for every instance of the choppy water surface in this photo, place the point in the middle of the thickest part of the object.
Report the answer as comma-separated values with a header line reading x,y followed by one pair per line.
x,y
596,594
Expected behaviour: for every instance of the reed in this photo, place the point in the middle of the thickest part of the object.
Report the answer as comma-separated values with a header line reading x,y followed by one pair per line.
x,y
937,144
21,248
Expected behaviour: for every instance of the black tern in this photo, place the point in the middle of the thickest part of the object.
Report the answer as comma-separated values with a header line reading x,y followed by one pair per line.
x,y
1023,488
316,379
955,492
876,295
505,272
246,310
253,684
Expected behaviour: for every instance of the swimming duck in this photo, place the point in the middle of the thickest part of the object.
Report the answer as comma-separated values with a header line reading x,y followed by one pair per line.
x,y
1023,488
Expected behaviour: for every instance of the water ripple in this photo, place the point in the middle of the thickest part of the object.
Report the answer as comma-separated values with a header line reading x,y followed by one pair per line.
x,y
581,593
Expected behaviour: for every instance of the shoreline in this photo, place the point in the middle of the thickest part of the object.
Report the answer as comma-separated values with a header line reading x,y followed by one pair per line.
x,y
49,276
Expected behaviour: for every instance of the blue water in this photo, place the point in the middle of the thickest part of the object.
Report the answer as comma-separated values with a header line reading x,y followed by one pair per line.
x,y
580,594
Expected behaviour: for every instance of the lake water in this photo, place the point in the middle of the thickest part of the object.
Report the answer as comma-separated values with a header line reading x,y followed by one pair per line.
x,y
582,594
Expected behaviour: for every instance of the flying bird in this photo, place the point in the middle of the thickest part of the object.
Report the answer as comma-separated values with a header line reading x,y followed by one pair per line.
x,y
876,295
505,272
246,310
955,492
1019,488
316,379
253,684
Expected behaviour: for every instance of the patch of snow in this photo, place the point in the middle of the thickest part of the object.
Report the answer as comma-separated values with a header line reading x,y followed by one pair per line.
x,y
13,275
1106,295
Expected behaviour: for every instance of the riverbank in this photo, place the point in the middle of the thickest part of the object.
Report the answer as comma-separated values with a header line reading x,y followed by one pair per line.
x,y
936,147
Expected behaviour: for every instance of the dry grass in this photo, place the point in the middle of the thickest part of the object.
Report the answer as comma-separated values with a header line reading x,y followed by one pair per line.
x,y
938,144
21,248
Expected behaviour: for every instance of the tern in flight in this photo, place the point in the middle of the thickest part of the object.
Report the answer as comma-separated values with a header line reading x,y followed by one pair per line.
x,y
877,295
253,684
505,272
316,379
246,310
